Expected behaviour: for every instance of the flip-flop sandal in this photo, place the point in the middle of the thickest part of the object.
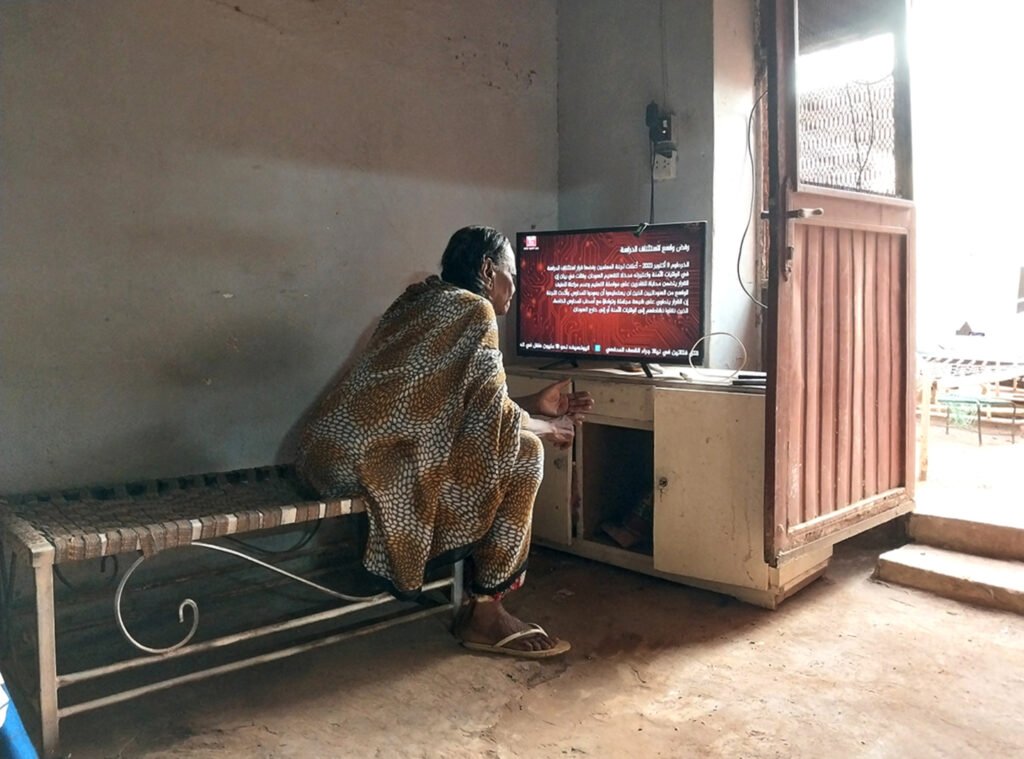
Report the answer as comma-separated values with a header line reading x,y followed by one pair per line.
x,y
500,647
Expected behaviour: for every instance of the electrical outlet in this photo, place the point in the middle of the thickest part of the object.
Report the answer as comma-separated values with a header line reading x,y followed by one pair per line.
x,y
664,166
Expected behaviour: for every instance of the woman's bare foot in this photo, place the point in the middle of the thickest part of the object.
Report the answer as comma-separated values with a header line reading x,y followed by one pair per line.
x,y
488,622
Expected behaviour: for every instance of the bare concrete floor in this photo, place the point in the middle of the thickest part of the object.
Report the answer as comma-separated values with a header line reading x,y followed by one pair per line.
x,y
965,480
848,668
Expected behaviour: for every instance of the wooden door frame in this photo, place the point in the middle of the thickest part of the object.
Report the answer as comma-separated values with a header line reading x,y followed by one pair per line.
x,y
781,156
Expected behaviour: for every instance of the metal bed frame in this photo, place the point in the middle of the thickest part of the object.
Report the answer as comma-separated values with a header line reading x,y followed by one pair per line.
x,y
46,530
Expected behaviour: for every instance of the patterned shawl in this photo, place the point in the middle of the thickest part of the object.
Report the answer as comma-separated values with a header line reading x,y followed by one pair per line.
x,y
423,427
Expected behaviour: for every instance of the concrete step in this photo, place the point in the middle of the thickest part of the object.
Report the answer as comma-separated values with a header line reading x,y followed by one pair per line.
x,y
997,583
997,541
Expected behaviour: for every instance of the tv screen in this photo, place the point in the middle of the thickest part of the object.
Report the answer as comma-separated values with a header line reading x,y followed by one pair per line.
x,y
612,293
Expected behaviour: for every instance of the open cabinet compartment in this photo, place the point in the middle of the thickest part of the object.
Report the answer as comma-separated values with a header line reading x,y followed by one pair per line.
x,y
616,476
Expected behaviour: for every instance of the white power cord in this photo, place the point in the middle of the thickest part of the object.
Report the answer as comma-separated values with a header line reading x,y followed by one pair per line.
x,y
736,372
750,210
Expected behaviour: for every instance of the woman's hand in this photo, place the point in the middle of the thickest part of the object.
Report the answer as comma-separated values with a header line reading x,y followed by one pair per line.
x,y
553,401
560,430
563,430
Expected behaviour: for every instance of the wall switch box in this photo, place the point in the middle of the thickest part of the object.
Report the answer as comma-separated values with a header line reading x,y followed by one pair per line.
x,y
664,167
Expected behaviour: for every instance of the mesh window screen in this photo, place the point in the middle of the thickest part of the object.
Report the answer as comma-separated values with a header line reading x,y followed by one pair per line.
x,y
847,136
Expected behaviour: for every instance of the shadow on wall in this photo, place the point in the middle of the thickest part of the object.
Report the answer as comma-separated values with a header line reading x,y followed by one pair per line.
x,y
216,399
289,443
178,442
243,353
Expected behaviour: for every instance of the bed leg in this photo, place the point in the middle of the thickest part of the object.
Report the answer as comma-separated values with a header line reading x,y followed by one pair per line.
x,y
456,587
47,651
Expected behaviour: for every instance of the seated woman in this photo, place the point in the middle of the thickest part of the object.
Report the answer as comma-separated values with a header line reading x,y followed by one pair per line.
x,y
448,464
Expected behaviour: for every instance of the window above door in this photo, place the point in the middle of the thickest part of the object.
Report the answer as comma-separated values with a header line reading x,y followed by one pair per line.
x,y
851,118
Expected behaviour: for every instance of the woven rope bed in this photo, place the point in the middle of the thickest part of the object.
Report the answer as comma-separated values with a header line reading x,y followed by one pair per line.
x,y
149,517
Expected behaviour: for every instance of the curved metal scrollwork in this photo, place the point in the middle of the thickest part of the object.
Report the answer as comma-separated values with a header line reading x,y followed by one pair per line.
x,y
190,604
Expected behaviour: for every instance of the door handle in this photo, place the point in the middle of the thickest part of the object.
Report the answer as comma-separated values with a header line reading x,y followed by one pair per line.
x,y
791,214
796,213
804,213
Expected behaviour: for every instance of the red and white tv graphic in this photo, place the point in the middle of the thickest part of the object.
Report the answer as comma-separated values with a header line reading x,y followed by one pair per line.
x,y
530,242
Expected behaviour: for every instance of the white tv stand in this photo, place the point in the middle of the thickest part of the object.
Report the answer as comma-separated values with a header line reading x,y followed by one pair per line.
x,y
698,445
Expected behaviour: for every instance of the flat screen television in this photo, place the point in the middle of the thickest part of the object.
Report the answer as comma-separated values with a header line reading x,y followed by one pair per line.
x,y
617,293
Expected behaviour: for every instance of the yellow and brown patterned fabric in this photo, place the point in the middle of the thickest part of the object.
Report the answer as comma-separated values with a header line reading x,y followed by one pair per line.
x,y
424,429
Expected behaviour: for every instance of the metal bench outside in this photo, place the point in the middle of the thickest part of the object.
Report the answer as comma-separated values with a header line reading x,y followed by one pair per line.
x,y
979,403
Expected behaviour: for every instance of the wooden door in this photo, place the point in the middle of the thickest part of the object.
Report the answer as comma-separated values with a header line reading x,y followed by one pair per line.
x,y
840,410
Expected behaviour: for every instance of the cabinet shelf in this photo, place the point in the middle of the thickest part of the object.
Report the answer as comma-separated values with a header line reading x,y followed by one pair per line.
x,y
640,549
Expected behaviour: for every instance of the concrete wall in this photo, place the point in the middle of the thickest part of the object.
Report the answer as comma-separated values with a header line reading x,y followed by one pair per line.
x,y
610,65
609,69
205,205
